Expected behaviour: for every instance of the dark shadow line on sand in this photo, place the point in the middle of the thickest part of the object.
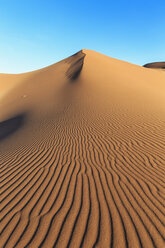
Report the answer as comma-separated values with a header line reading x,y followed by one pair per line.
x,y
10,126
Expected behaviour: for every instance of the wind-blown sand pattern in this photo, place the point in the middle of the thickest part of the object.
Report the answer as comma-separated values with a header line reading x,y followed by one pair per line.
x,y
82,155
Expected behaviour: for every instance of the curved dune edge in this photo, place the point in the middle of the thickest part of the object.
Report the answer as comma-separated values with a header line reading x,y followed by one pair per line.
x,y
86,166
76,62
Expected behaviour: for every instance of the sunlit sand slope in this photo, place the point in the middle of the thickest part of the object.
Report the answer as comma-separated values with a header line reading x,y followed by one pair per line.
x,y
82,155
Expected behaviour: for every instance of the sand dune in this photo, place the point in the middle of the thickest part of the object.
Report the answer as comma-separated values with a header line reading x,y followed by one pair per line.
x,y
82,155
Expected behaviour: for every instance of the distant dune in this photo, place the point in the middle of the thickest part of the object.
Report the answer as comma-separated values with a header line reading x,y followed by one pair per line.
x,y
156,65
82,155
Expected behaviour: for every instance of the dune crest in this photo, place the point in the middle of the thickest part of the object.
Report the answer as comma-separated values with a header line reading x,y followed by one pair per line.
x,y
76,64
82,161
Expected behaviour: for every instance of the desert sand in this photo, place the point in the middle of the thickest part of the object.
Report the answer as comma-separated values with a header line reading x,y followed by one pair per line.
x,y
82,155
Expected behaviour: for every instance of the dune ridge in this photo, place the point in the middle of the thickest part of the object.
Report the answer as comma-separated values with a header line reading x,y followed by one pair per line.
x,y
87,167
77,61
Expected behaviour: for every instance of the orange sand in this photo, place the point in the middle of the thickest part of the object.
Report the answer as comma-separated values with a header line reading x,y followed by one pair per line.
x,y
82,155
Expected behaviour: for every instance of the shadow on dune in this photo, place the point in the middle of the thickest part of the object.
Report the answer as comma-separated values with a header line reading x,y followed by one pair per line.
x,y
76,61
155,65
10,126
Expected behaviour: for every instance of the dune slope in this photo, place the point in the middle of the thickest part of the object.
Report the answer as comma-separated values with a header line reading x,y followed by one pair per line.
x,y
82,155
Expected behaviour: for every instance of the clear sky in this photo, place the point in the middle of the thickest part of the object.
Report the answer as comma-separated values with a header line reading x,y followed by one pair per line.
x,y
37,33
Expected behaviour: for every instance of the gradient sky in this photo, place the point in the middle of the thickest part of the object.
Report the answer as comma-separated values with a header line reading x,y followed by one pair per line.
x,y
37,33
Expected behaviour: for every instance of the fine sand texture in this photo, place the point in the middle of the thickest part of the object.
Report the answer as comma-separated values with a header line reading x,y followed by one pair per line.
x,y
82,155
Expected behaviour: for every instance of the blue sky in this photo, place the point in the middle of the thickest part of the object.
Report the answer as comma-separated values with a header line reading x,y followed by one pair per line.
x,y
37,33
